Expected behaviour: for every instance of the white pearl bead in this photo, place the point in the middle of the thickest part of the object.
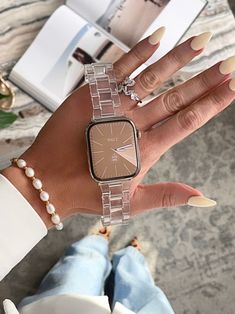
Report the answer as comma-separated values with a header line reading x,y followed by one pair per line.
x,y
29,172
59,226
55,219
21,163
37,184
44,196
50,208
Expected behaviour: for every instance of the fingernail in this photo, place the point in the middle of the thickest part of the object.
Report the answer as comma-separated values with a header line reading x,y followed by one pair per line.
x,y
201,201
157,36
232,85
200,41
227,66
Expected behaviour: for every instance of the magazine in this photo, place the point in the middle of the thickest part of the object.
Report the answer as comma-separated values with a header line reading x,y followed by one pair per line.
x,y
86,31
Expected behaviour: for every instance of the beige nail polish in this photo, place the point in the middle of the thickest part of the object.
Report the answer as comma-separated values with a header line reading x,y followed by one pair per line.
x,y
227,66
201,201
200,41
157,35
232,85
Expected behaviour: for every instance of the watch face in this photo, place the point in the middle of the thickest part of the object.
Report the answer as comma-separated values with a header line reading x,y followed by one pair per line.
x,y
112,150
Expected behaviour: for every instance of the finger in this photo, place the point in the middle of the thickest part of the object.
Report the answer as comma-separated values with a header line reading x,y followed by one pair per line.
x,y
193,117
157,73
183,95
137,55
167,194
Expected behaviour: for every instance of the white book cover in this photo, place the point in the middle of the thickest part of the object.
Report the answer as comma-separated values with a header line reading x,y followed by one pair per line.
x,y
85,31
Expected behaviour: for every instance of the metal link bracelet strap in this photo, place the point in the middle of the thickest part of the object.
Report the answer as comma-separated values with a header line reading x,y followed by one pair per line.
x,y
106,104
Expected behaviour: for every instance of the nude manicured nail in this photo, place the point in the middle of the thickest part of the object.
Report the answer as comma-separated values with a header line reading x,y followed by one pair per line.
x,y
232,85
201,201
200,41
227,66
157,36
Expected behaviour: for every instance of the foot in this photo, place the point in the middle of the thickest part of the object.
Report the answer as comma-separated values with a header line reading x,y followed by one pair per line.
x,y
136,244
104,232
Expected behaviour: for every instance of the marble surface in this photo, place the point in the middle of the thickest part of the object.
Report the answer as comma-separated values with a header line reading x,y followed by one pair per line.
x,y
191,251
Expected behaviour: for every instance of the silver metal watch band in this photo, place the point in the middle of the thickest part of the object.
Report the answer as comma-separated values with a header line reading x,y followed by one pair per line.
x,y
106,104
103,88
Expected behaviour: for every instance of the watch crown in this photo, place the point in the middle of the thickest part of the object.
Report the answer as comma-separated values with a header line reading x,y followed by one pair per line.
x,y
138,134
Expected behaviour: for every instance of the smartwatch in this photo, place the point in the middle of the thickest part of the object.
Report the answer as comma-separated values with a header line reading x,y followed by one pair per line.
x,y
112,145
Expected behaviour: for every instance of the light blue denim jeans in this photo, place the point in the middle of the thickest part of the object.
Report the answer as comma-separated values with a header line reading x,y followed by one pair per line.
x,y
85,267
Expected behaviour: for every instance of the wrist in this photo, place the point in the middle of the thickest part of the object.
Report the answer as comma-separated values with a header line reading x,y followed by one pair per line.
x,y
24,186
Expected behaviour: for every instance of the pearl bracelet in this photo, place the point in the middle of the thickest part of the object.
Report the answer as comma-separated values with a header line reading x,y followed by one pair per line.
x,y
44,196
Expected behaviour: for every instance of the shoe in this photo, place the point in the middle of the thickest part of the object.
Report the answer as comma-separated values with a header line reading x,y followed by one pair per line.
x,y
136,244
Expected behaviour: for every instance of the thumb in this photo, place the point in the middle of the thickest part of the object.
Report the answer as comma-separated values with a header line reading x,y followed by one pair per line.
x,y
168,194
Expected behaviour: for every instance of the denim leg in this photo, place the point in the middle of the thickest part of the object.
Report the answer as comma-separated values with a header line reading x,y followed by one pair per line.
x,y
82,270
134,285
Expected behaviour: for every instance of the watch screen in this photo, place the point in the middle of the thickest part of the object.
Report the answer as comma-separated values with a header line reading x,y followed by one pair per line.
x,y
113,152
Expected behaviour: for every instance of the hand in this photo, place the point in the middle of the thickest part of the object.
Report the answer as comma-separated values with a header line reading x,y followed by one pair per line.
x,y
59,153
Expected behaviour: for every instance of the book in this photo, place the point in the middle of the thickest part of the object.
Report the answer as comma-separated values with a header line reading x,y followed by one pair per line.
x,y
86,31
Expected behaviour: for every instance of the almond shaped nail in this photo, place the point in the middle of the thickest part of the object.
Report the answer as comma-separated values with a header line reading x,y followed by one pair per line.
x,y
157,35
200,41
201,201
232,85
227,66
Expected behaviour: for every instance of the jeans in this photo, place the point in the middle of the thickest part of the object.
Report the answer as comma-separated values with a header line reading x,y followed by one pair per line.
x,y
85,268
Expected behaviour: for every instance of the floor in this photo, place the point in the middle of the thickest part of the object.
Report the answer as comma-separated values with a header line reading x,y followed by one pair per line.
x,y
191,251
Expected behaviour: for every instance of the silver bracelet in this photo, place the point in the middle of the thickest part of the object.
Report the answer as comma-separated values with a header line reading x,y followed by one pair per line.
x,y
44,196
